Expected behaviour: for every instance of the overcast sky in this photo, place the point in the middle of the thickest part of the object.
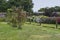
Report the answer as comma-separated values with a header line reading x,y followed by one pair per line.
x,y
45,3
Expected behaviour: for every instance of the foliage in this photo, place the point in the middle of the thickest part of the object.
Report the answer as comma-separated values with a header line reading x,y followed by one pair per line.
x,y
3,5
27,5
48,11
44,19
2,19
47,20
16,17
41,9
50,21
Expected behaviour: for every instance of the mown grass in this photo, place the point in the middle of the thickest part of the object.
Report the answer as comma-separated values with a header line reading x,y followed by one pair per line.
x,y
29,32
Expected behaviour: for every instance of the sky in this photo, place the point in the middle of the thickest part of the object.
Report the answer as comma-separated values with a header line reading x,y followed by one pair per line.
x,y
44,3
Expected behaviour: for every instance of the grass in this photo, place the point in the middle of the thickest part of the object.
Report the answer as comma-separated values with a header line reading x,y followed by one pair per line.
x,y
29,32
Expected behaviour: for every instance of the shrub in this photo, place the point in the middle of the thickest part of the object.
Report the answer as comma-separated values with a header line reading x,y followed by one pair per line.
x,y
49,21
16,17
2,19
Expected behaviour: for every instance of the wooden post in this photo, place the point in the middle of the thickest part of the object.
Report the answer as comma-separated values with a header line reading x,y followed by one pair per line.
x,y
56,24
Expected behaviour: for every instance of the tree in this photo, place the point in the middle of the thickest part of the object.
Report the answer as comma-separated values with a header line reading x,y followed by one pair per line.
x,y
57,8
3,6
16,17
42,9
27,5
48,12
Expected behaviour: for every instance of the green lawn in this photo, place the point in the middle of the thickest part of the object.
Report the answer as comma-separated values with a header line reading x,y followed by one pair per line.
x,y
29,32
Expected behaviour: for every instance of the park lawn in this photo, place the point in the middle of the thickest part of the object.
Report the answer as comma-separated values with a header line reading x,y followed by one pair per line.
x,y
29,32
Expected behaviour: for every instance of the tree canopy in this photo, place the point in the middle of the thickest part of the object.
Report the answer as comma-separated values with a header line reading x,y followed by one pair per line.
x,y
3,5
27,5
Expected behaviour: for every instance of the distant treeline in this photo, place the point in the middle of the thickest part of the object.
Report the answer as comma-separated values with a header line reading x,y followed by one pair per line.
x,y
48,10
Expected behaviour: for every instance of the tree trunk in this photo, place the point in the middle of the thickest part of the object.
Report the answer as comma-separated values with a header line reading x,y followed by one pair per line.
x,y
19,27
